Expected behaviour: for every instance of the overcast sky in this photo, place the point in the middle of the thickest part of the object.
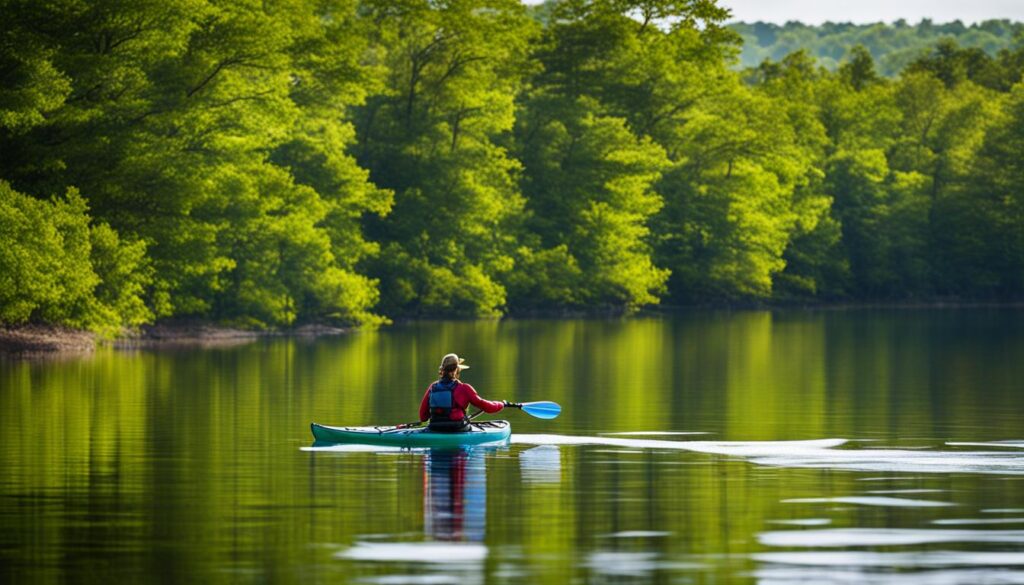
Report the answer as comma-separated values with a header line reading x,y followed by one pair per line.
x,y
818,11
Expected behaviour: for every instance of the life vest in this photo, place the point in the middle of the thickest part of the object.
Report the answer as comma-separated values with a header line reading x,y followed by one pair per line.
x,y
442,402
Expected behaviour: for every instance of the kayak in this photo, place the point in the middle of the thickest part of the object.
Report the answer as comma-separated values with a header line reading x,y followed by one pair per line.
x,y
491,431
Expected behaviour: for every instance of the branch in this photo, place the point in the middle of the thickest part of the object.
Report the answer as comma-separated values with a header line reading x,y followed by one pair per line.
x,y
453,67
217,69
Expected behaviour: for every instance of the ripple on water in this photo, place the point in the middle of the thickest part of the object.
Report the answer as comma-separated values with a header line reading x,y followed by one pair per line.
x,y
838,537
872,501
900,461
836,576
891,478
415,580
922,559
622,563
632,564
818,454
654,433
448,553
541,464
907,491
637,534
1014,444
803,522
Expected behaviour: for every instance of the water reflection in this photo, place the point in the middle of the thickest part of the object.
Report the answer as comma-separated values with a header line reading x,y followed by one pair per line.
x,y
541,464
455,494
454,523
182,466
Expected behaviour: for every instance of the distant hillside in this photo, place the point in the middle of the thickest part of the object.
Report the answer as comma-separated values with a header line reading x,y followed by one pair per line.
x,y
892,45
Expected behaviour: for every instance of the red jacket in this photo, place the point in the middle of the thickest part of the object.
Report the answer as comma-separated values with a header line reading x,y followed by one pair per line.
x,y
464,396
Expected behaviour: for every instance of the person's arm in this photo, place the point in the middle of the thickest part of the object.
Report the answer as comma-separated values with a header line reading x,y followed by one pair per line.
x,y
425,406
488,406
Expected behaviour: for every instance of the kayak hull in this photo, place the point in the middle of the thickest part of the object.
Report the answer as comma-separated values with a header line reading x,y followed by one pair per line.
x,y
482,433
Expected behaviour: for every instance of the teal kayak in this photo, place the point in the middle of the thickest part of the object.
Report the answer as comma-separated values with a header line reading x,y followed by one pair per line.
x,y
491,431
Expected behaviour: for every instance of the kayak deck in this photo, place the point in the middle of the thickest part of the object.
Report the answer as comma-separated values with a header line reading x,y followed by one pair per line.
x,y
491,431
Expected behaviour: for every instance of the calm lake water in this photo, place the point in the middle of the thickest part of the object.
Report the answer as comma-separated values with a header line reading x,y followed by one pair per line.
x,y
861,446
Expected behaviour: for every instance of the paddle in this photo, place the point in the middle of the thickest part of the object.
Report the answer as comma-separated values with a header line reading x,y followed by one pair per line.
x,y
543,409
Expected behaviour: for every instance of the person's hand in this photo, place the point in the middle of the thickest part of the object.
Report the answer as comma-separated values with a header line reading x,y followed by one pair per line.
x,y
506,403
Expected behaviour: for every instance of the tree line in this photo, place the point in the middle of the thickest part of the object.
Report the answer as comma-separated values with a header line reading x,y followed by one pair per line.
x,y
276,162
893,46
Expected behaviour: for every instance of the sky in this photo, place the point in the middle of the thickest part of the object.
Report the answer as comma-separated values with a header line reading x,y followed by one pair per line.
x,y
861,11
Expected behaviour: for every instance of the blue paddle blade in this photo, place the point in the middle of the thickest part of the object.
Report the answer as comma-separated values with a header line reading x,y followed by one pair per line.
x,y
546,410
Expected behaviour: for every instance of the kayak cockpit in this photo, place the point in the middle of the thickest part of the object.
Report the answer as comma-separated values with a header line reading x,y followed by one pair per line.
x,y
480,433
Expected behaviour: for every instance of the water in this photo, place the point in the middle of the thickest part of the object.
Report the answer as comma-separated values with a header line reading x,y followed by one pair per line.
x,y
867,446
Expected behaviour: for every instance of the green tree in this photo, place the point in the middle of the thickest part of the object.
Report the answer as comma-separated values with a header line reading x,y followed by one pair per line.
x,y
941,132
175,115
433,137
589,182
56,266
728,192
815,263
730,208
626,74
859,70
984,219
952,65
892,45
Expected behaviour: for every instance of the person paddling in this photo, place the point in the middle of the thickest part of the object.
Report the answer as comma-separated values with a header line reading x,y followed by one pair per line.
x,y
447,399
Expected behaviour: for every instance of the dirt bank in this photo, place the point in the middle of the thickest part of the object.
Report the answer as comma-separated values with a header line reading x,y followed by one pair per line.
x,y
43,340
38,340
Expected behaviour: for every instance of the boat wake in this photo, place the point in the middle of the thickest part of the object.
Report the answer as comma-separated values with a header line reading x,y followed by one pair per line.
x,y
1005,457
997,457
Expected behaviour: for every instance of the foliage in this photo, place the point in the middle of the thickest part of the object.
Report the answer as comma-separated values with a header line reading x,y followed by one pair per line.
x,y
589,183
732,197
272,163
894,45
57,267
210,130
983,217
432,136
593,131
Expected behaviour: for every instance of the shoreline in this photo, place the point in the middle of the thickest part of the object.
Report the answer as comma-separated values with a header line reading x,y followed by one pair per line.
x,y
192,332
795,305
37,340
32,341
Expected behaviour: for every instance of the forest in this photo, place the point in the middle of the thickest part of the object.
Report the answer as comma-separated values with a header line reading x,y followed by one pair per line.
x,y
893,46
272,163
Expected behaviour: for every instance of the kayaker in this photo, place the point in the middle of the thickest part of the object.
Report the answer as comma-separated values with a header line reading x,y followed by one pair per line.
x,y
447,399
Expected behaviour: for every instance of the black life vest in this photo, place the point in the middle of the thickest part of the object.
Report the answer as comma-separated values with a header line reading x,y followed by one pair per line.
x,y
442,402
